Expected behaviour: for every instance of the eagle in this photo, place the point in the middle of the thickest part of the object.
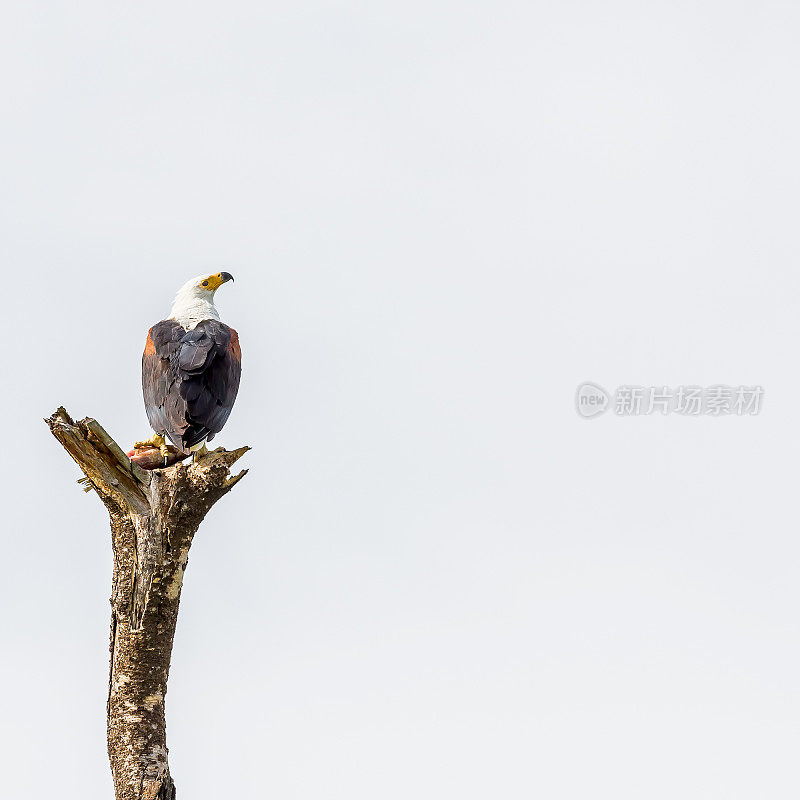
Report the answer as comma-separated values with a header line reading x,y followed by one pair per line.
x,y
191,368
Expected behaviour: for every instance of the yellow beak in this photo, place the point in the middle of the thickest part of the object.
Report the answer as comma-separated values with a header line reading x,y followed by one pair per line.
x,y
213,282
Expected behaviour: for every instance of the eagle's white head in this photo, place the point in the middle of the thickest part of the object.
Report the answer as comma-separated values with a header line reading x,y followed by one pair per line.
x,y
194,301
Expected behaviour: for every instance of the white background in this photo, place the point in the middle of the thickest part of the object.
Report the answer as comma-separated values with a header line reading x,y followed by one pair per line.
x,y
437,581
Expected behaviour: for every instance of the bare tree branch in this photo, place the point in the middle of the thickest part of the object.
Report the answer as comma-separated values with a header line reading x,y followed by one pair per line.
x,y
154,516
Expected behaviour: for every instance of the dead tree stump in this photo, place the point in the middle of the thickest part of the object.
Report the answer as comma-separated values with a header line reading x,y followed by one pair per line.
x,y
154,515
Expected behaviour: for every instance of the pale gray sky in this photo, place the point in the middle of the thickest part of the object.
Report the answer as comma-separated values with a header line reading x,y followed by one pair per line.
x,y
437,580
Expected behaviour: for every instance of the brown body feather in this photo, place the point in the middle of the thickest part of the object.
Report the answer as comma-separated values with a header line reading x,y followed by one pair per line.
x,y
190,380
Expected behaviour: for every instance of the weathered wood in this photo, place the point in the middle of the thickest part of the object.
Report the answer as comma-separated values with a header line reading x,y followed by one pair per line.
x,y
154,516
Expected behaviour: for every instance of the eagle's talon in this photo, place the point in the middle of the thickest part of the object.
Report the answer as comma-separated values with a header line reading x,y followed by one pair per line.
x,y
156,440
199,453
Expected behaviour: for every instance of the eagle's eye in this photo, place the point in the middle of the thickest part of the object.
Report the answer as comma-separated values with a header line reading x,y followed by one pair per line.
x,y
205,283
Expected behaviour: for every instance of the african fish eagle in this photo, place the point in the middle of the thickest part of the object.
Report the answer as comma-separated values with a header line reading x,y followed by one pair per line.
x,y
190,370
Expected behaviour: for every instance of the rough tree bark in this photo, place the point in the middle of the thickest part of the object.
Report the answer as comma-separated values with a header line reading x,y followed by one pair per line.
x,y
154,516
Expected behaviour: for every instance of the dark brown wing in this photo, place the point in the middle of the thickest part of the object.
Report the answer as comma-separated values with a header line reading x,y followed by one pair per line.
x,y
190,380
220,382
166,412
